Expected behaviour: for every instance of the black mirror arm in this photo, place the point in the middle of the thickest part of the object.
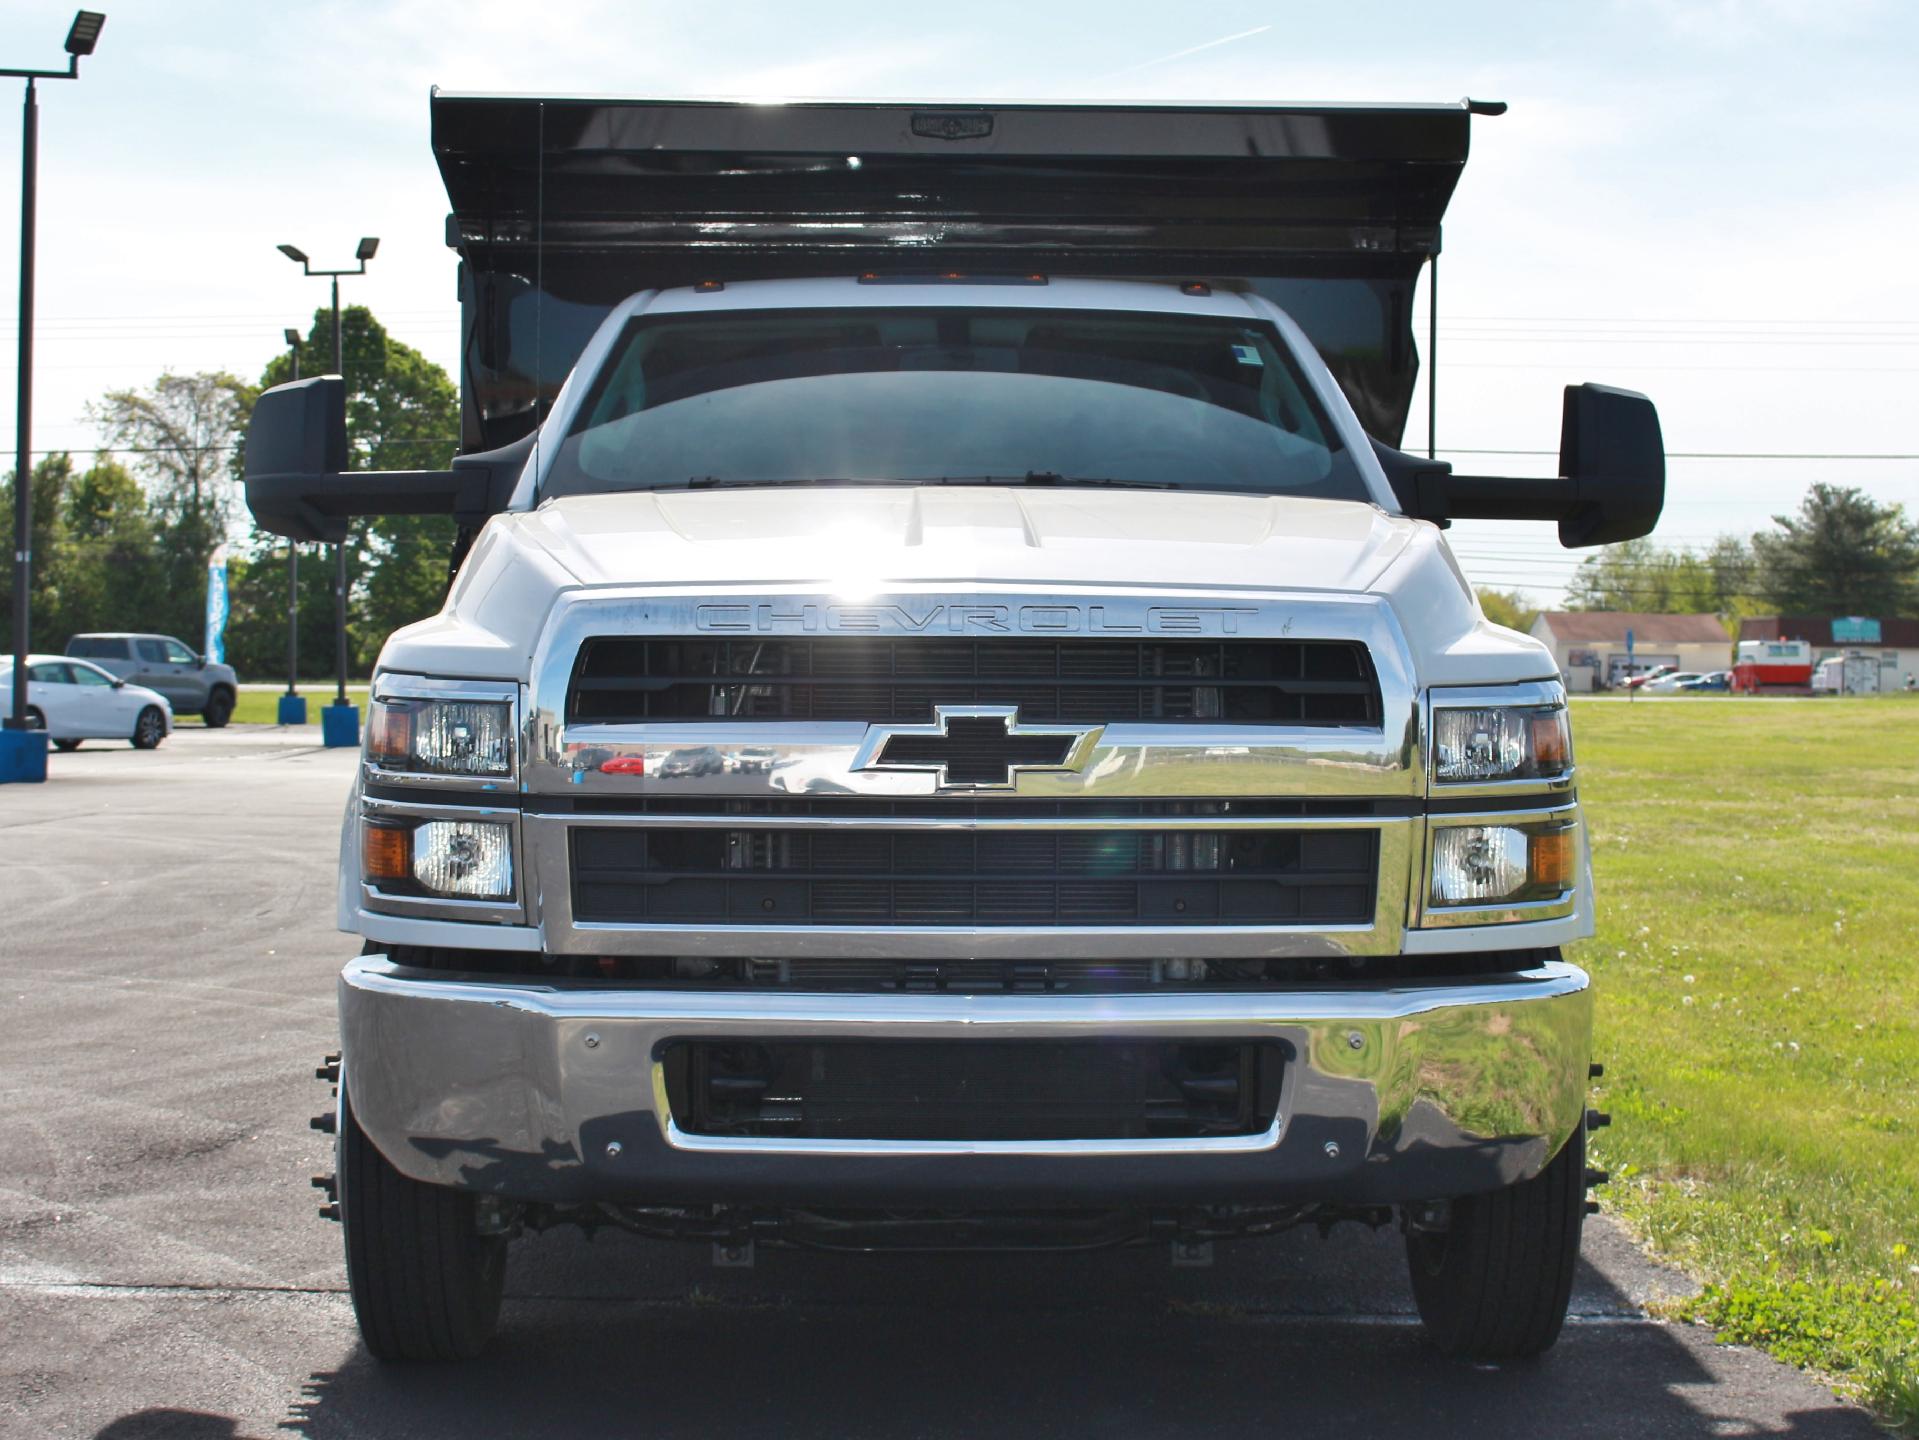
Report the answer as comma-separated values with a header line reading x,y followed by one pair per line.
x,y
319,508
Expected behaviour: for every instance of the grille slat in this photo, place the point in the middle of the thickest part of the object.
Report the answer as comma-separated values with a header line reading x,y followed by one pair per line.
x,y
829,876
621,680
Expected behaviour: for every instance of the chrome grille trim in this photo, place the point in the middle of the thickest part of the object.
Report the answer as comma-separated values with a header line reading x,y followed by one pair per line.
x,y
722,759
548,848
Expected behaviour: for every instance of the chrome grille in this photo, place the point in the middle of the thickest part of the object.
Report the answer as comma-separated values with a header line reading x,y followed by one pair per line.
x,y
618,679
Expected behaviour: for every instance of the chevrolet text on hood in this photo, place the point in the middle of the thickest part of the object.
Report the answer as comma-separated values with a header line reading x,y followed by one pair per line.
x,y
994,619
953,723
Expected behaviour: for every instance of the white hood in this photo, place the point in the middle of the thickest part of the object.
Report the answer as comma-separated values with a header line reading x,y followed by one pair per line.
x,y
967,535
860,540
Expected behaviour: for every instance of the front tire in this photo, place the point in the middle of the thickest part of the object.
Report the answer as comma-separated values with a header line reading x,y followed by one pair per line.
x,y
1495,1285
150,729
426,1284
218,710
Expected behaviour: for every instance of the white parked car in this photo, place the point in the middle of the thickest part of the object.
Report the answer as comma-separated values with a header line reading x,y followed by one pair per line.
x,y
75,700
1676,680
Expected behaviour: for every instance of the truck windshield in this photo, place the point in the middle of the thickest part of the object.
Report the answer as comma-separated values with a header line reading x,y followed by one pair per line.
x,y
958,394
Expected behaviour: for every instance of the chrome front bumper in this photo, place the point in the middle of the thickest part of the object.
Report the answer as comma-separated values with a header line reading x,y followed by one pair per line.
x,y
550,1093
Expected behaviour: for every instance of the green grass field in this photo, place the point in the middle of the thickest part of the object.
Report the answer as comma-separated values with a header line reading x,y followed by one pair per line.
x,y
256,707
1757,965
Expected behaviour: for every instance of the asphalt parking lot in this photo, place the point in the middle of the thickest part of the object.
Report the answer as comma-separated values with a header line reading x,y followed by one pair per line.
x,y
167,951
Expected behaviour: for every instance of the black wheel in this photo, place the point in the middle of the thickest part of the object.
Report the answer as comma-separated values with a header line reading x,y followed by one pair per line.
x,y
426,1284
218,709
150,729
66,746
35,720
1496,1283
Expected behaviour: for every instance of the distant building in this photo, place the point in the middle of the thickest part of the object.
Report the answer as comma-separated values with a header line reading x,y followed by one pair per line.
x,y
1589,646
1893,643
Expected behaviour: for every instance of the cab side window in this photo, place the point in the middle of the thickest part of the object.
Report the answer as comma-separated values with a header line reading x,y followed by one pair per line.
x,y
151,651
87,675
178,654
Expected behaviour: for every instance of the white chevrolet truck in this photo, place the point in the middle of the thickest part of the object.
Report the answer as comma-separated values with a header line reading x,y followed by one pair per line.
x,y
953,725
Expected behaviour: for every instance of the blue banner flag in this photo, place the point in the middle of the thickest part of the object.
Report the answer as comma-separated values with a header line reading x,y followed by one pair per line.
x,y
215,648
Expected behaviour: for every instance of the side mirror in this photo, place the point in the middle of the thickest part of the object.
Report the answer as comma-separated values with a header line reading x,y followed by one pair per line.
x,y
1611,449
296,448
119,684
1611,484
298,484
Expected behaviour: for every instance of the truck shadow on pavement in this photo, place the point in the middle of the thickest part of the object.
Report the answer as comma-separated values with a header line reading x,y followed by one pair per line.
x,y
622,1337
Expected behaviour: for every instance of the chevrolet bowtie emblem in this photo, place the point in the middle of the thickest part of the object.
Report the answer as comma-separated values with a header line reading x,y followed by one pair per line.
x,y
977,747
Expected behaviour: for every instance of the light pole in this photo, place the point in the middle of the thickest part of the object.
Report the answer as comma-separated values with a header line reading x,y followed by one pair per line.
x,y
293,706
23,752
339,722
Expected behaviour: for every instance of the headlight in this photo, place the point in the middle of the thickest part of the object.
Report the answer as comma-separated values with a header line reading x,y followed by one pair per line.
x,y
1499,864
464,859
442,737
1500,742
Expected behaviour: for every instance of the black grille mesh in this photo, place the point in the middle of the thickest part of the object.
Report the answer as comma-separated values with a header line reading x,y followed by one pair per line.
x,y
1301,682
974,1089
1024,877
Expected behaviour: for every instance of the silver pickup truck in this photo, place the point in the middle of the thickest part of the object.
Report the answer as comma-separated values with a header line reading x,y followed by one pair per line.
x,y
952,724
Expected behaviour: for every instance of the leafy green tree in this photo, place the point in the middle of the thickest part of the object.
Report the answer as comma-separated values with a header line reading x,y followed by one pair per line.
x,y
1632,575
403,413
1842,554
112,576
45,610
1510,608
1642,575
179,434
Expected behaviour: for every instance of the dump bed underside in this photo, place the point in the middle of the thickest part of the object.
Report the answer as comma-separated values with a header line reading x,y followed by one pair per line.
x,y
563,207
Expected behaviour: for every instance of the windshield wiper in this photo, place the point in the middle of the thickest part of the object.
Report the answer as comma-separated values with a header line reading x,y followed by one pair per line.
x,y
724,482
1045,477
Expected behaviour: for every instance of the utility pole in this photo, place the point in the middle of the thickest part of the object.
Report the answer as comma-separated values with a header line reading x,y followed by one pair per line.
x,y
340,722
23,752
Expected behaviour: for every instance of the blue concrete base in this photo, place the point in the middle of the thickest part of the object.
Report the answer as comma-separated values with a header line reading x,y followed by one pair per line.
x,y
340,725
293,709
23,757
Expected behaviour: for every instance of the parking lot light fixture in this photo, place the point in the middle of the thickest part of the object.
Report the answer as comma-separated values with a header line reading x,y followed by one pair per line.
x,y
23,752
340,721
85,32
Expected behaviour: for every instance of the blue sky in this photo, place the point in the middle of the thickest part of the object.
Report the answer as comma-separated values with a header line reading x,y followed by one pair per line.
x,y
1712,201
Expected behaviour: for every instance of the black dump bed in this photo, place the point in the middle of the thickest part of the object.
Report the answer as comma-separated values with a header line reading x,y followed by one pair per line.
x,y
564,207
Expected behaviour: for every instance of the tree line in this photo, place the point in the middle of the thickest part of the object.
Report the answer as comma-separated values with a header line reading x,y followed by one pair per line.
x,y
124,543
1840,553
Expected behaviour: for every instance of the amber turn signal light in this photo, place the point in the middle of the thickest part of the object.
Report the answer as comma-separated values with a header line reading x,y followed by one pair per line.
x,y
386,852
1549,859
1551,752
389,732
